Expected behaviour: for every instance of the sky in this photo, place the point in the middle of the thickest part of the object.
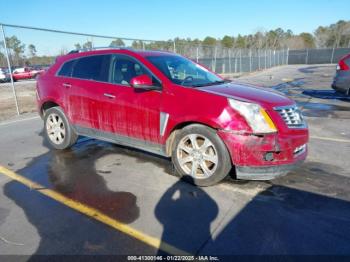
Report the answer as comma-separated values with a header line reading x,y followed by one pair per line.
x,y
162,20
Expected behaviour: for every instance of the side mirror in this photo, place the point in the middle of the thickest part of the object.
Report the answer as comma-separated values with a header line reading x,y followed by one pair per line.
x,y
143,82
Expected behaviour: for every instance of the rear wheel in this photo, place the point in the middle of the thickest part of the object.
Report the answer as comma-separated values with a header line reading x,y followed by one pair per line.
x,y
58,131
200,156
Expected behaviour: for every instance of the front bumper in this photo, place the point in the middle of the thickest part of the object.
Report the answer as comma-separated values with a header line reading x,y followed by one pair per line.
x,y
268,156
265,172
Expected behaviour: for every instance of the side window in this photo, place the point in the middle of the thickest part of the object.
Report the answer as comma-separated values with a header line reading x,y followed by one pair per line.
x,y
123,69
92,68
66,69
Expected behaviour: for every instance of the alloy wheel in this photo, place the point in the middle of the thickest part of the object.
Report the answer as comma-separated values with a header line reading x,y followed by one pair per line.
x,y
55,128
197,156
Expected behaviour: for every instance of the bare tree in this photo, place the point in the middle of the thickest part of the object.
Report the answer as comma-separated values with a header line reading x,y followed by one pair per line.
x,y
32,50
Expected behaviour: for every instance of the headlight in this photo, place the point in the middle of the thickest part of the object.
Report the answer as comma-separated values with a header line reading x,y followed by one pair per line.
x,y
255,115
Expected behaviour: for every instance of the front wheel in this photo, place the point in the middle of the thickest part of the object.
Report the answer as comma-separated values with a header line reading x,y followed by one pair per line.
x,y
57,129
200,156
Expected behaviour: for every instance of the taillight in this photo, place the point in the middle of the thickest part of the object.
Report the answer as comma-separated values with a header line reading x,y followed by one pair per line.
x,y
343,66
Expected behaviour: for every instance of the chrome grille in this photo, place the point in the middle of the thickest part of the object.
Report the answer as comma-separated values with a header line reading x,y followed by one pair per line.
x,y
292,116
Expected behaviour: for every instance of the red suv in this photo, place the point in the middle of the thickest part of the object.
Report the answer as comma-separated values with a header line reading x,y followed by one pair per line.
x,y
166,104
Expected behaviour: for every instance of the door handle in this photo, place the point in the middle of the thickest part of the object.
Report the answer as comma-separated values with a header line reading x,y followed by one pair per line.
x,y
67,85
109,95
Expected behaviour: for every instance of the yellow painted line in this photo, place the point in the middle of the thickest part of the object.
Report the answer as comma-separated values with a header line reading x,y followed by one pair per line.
x,y
287,79
331,139
95,214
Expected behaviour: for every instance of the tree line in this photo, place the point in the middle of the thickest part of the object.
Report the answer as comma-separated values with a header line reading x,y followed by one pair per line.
x,y
333,36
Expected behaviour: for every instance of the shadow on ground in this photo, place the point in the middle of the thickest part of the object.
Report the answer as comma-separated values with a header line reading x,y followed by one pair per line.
x,y
305,212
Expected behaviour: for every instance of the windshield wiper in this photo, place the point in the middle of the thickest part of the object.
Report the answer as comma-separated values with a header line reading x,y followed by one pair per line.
x,y
213,83
223,81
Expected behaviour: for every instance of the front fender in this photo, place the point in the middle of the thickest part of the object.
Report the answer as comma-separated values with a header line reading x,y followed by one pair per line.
x,y
228,119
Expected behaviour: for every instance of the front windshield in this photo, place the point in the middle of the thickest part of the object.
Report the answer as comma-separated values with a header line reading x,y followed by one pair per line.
x,y
183,71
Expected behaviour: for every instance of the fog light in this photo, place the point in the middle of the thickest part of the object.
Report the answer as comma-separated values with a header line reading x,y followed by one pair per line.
x,y
268,156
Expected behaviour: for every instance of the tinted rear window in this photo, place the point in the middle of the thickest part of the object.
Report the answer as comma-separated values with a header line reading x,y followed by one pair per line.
x,y
66,69
92,68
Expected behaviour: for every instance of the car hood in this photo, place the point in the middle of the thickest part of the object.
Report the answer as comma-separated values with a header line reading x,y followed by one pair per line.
x,y
250,93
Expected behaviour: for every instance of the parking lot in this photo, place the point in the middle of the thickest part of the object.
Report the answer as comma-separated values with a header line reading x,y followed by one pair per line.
x,y
101,198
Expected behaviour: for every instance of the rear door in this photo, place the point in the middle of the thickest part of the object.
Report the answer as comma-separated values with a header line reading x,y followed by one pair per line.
x,y
84,90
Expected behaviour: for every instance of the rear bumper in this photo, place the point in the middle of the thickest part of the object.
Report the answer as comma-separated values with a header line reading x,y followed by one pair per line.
x,y
341,82
266,157
341,88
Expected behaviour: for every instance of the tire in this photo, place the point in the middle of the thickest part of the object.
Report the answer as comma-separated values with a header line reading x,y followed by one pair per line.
x,y
204,164
58,132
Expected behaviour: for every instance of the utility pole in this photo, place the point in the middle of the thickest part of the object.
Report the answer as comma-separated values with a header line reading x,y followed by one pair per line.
x,y
9,68
307,56
229,61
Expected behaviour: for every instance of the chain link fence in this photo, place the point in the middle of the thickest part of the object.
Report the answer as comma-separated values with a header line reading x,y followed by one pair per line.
x,y
317,56
232,60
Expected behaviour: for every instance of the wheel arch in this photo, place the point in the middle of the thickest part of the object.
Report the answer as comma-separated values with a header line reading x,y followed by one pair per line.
x,y
47,105
175,129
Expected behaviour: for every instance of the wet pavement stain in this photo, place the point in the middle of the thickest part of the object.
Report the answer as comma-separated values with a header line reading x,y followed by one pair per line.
x,y
316,103
324,110
326,94
292,89
143,157
80,181
73,174
311,69
323,107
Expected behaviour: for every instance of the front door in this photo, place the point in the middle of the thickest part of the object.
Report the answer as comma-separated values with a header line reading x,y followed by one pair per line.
x,y
131,112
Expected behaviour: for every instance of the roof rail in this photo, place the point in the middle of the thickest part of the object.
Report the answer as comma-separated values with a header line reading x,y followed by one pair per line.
x,y
98,48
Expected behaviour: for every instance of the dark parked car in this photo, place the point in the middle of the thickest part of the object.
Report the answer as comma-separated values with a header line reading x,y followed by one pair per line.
x,y
341,82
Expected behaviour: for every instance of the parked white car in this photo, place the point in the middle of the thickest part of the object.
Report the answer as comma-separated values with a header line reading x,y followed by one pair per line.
x,y
4,77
